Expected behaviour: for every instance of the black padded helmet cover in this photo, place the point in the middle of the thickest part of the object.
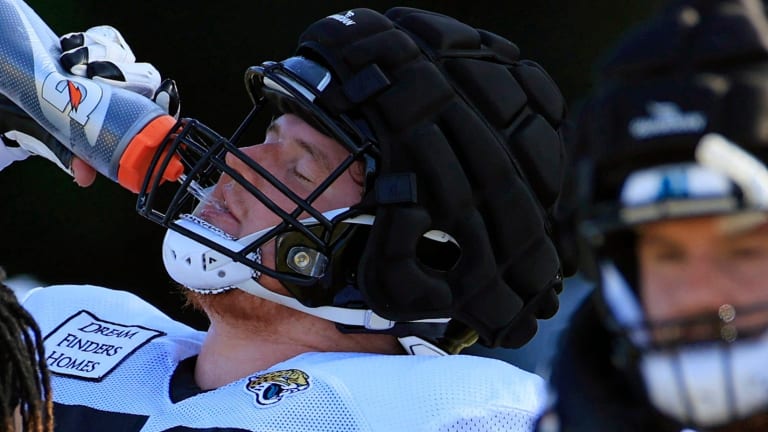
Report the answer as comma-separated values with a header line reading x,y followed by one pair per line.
x,y
470,145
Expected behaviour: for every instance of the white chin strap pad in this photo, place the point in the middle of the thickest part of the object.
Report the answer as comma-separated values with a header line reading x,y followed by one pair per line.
x,y
198,267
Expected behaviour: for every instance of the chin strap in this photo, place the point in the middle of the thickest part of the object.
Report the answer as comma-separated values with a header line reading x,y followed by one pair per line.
x,y
457,338
453,342
415,345
190,263
353,317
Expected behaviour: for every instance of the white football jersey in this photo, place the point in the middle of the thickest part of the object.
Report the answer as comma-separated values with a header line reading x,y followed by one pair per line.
x,y
120,364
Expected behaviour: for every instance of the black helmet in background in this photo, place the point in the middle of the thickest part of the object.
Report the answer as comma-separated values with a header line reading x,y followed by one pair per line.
x,y
678,128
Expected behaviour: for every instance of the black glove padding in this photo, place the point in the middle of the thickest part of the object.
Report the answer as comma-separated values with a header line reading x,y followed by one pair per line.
x,y
23,137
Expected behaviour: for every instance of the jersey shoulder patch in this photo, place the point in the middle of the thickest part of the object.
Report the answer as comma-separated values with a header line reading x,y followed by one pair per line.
x,y
89,331
86,346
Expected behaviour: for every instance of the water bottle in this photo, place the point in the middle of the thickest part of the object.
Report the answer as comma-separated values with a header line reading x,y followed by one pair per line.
x,y
114,130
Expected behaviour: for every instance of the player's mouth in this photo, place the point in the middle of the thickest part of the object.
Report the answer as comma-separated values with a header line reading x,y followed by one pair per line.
x,y
215,210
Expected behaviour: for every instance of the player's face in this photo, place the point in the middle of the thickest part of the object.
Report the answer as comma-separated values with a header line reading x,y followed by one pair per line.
x,y
301,158
696,265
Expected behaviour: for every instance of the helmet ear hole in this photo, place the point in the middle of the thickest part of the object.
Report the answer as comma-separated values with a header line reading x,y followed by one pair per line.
x,y
442,256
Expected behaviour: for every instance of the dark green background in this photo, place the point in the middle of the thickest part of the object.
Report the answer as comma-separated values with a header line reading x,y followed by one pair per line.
x,y
60,233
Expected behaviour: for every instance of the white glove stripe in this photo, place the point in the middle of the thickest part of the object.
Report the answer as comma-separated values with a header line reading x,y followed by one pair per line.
x,y
32,146
9,155
106,43
140,78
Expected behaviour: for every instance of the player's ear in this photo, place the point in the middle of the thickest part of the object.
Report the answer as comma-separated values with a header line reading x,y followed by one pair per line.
x,y
357,171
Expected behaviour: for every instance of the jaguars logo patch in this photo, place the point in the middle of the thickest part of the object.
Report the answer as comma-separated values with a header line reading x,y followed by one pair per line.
x,y
272,387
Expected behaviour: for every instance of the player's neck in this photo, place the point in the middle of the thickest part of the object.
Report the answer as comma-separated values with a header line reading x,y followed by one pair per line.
x,y
234,350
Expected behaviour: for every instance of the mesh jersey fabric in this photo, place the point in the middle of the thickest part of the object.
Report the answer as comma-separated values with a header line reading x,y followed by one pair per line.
x,y
343,391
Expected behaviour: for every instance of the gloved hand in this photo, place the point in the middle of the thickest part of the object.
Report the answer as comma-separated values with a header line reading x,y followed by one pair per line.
x,y
100,53
24,137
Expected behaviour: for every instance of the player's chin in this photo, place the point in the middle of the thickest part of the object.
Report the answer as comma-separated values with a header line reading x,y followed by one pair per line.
x,y
232,305
201,301
237,306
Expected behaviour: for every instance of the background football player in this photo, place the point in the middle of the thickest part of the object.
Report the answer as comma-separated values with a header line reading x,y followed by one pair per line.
x,y
671,212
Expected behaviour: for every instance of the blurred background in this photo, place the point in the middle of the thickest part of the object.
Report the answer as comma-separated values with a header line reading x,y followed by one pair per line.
x,y
55,232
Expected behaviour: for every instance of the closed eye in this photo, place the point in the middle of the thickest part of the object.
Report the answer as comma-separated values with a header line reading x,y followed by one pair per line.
x,y
747,251
668,256
300,176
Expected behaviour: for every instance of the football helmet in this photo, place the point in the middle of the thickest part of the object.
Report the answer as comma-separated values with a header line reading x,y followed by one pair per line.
x,y
676,131
462,157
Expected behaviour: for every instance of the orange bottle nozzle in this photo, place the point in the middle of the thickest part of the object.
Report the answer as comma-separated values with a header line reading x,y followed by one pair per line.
x,y
134,163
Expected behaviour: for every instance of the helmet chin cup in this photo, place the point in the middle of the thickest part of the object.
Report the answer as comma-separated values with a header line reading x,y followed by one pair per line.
x,y
204,269
201,268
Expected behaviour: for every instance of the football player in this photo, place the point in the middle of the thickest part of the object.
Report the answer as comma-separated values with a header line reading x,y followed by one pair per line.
x,y
672,183
399,202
